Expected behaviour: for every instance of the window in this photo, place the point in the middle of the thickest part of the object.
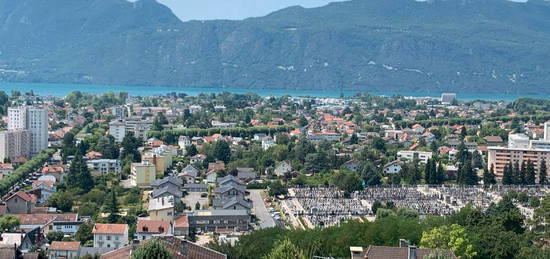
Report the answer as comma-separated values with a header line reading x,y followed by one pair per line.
x,y
108,238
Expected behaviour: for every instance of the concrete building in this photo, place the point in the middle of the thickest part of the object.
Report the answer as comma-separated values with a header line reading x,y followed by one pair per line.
x,y
219,221
142,174
110,235
35,120
146,229
547,131
64,250
518,141
162,209
411,155
118,112
15,144
117,129
448,97
161,157
104,166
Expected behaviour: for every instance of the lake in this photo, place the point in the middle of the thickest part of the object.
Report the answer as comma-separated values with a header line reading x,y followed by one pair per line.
x,y
60,90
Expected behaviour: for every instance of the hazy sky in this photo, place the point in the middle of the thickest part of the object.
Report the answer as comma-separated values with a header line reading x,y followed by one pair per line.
x,y
233,9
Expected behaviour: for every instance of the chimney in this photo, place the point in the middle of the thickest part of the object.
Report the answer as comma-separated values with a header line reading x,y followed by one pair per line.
x,y
412,252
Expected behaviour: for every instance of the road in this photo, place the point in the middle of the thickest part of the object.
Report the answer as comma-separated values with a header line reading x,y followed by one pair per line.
x,y
258,205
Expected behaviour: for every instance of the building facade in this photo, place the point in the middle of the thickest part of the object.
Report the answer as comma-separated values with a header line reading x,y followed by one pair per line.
x,y
15,144
33,119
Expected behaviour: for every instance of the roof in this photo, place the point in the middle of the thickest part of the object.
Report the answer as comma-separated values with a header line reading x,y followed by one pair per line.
x,y
170,189
173,180
225,188
161,203
385,252
42,219
199,213
494,139
65,246
23,195
224,180
53,169
152,226
110,228
182,222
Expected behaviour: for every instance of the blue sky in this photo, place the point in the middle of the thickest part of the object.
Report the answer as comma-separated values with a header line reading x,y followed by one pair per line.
x,y
233,9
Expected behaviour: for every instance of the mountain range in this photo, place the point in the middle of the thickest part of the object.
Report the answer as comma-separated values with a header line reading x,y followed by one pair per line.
x,y
464,46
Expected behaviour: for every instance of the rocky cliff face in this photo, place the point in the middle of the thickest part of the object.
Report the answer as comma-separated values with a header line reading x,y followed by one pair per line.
x,y
373,45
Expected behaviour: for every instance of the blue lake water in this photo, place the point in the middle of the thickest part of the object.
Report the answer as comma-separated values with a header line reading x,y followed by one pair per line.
x,y
61,90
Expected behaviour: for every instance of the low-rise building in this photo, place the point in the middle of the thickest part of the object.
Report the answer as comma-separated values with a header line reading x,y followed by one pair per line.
x,y
219,221
410,155
146,229
110,235
162,209
104,166
64,250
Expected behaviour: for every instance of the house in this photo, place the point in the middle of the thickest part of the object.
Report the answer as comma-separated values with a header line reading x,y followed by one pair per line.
x,y
110,235
20,203
42,190
190,170
64,250
56,171
146,229
219,221
211,177
229,191
184,142
393,167
197,158
181,226
493,140
162,209
246,174
67,222
233,203
6,169
195,187
103,166
229,179
410,155
25,242
284,167
174,182
167,191
352,165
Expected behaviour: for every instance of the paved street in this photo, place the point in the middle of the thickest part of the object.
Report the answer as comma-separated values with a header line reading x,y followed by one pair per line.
x,y
266,221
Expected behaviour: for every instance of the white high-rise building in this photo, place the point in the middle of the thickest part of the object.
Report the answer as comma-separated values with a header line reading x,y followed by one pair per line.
x,y
33,119
14,144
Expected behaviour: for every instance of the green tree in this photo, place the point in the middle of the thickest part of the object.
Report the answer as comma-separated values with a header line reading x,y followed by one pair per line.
x,y
507,177
61,200
222,151
530,173
543,174
191,150
8,223
489,176
285,249
452,237
112,208
79,174
84,233
55,236
152,249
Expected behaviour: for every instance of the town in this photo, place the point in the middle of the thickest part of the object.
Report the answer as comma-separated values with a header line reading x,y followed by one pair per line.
x,y
206,176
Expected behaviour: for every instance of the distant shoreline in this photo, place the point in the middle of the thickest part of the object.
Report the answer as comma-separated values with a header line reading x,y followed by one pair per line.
x,y
60,90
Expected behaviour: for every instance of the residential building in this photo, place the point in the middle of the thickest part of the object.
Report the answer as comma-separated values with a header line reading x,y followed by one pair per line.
x,y
64,250
410,155
195,187
33,119
283,168
162,209
147,229
110,235
103,166
219,221
167,182
117,129
385,252
181,226
161,157
15,144
118,112
20,203
392,167
448,97
518,141
142,174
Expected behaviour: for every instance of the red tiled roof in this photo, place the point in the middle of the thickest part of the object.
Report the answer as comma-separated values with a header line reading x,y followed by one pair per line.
x,y
152,226
53,169
110,228
182,222
65,246
384,252
23,195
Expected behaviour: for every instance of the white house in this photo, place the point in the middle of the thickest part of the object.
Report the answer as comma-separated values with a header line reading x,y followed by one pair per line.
x,y
283,168
110,235
146,229
392,167
411,155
